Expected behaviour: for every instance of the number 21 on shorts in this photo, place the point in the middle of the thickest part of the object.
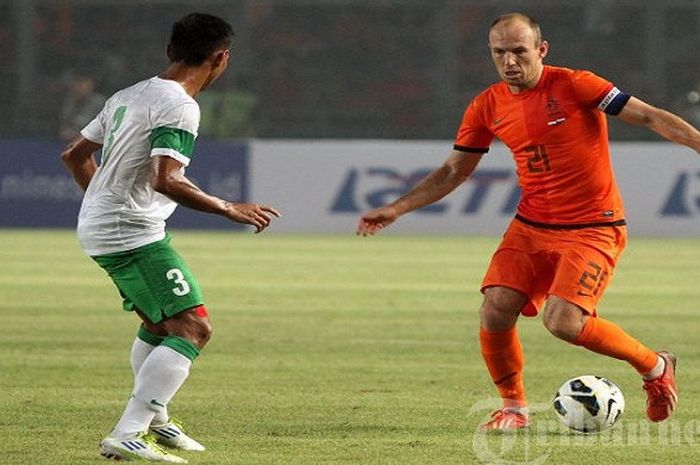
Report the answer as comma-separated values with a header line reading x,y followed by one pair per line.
x,y
175,275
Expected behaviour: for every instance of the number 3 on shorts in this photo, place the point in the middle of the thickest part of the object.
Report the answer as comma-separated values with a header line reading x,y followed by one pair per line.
x,y
176,275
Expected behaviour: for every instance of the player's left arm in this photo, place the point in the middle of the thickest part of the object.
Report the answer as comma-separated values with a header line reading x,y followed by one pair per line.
x,y
662,122
79,160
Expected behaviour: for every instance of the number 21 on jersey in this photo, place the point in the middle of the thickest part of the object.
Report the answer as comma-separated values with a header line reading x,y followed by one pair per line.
x,y
539,161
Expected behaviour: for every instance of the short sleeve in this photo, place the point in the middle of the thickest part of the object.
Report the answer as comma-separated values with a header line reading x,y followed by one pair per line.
x,y
175,131
590,89
594,91
95,129
473,135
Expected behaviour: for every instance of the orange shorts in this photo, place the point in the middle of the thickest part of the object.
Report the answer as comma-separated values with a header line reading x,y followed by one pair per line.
x,y
573,264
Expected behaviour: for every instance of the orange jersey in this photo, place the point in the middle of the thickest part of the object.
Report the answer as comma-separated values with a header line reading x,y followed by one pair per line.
x,y
559,140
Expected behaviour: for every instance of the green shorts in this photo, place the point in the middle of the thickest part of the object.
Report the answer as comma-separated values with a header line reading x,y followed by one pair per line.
x,y
153,279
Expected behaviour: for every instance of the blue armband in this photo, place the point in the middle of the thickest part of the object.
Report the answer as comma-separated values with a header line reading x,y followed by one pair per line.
x,y
614,101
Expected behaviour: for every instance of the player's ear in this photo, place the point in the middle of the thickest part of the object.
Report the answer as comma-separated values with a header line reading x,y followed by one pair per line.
x,y
219,58
169,52
543,48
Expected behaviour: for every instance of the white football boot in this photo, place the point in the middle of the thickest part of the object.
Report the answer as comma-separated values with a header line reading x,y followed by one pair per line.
x,y
139,447
172,435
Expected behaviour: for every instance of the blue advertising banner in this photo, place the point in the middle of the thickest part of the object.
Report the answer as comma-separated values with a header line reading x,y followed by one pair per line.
x,y
36,191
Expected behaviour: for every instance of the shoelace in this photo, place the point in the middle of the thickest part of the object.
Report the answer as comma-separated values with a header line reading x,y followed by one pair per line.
x,y
177,423
500,415
657,390
152,442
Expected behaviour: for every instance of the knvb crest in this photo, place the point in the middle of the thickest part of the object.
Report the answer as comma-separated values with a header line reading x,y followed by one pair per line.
x,y
555,115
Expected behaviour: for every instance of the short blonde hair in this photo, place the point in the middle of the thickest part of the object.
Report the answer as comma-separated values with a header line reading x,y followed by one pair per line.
x,y
529,20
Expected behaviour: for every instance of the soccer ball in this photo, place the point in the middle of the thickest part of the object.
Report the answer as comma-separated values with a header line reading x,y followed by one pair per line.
x,y
589,404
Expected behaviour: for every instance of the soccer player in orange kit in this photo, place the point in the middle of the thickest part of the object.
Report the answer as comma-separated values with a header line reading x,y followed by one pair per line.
x,y
569,230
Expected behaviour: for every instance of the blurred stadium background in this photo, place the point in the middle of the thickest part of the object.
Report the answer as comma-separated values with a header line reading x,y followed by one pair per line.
x,y
338,68
307,74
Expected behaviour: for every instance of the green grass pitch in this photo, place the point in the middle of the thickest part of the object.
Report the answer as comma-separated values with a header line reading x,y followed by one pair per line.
x,y
331,350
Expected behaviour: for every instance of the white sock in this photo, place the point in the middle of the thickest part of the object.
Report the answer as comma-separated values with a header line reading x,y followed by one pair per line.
x,y
658,370
158,379
140,350
136,414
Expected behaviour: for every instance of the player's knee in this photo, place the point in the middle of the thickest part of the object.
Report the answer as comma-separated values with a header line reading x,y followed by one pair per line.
x,y
563,323
206,334
556,326
500,308
201,332
192,325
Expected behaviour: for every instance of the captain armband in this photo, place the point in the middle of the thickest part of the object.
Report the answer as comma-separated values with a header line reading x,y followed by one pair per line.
x,y
614,101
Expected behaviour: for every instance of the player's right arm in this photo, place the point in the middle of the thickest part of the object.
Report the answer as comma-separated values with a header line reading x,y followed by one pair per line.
x,y
430,189
172,147
79,160
473,140
166,177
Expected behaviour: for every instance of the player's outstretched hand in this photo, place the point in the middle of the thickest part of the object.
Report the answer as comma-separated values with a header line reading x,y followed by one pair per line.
x,y
254,214
374,220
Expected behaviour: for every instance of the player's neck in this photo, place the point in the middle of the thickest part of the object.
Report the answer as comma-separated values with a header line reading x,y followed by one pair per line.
x,y
531,84
191,78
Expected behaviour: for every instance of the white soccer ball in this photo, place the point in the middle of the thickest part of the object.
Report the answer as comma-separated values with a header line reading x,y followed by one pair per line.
x,y
589,403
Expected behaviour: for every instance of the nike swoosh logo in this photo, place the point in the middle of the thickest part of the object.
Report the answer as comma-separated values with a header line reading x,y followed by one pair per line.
x,y
611,402
495,122
509,375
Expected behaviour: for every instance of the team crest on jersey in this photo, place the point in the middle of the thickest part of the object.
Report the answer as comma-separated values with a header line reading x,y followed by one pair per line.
x,y
554,113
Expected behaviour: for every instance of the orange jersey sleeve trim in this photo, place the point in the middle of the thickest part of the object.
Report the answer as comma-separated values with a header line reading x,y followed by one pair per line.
x,y
462,148
589,88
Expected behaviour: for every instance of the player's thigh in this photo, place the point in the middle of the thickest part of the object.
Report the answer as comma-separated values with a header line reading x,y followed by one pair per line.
x,y
585,270
154,279
522,263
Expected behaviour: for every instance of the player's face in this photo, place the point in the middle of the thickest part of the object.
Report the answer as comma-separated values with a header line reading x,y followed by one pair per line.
x,y
517,54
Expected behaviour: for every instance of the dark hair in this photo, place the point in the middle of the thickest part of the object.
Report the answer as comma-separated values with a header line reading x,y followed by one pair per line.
x,y
523,17
196,36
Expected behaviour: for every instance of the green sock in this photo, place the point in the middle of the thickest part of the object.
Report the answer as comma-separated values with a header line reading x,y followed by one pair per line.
x,y
182,346
148,337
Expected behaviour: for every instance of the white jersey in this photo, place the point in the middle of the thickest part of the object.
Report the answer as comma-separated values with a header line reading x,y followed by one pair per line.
x,y
120,210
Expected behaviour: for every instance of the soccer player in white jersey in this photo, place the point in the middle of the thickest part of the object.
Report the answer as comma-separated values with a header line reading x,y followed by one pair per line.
x,y
146,133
